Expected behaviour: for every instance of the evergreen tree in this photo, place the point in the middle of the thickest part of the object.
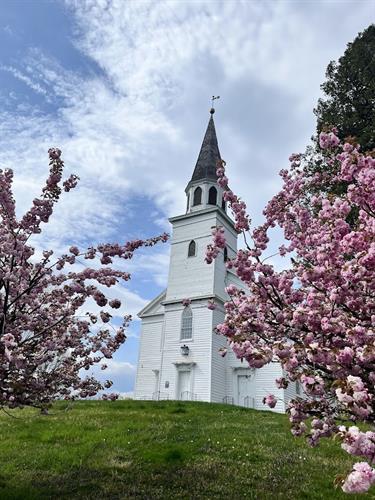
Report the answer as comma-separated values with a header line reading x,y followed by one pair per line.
x,y
347,109
349,92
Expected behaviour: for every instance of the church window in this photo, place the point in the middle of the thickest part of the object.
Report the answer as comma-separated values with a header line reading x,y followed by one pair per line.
x,y
225,254
212,196
187,324
192,249
197,200
187,203
223,205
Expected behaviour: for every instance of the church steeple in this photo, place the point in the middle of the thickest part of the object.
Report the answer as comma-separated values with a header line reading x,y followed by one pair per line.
x,y
209,154
202,190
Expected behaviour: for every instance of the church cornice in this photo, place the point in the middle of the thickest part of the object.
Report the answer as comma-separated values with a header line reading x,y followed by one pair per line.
x,y
194,299
184,364
200,182
204,211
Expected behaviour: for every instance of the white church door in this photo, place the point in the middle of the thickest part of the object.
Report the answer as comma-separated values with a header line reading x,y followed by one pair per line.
x,y
184,385
246,390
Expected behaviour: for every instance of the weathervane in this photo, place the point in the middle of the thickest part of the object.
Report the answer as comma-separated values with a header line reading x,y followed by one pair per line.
x,y
212,110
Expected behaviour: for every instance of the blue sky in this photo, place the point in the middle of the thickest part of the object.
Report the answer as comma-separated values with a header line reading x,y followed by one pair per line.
x,y
123,88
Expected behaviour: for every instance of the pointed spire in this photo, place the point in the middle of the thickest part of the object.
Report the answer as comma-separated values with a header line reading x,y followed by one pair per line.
x,y
209,154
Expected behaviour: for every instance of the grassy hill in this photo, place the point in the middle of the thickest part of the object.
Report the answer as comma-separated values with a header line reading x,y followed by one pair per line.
x,y
161,450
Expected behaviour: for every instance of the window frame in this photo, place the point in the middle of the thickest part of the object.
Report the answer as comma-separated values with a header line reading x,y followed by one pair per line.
x,y
183,327
195,249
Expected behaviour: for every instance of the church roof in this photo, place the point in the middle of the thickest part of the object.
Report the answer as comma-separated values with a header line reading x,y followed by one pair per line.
x,y
205,168
153,308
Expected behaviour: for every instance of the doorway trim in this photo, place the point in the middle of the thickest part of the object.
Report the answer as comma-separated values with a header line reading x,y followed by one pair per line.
x,y
236,372
183,366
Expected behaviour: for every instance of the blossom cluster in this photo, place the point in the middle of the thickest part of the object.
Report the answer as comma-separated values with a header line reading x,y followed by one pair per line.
x,y
270,400
360,479
317,317
110,397
218,244
238,206
46,340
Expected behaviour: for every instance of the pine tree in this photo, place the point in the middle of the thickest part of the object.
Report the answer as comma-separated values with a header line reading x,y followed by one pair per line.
x,y
349,92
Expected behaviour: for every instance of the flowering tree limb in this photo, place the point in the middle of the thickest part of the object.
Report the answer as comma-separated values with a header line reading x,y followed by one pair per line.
x,y
45,341
317,317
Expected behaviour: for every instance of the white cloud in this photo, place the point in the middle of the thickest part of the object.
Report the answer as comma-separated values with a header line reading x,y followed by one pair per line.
x,y
25,79
119,368
152,266
121,373
135,127
126,395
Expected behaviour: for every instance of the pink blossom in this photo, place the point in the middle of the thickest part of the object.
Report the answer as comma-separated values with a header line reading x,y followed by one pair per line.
x,y
105,316
329,140
54,153
270,400
115,303
218,244
231,290
355,383
211,305
281,383
360,479
110,397
74,250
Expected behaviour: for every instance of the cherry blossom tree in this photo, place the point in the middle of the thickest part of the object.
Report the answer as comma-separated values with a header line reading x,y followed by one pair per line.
x,y
317,316
46,339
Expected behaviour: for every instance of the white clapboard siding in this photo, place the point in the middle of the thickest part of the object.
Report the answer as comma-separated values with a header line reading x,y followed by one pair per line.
x,y
218,371
265,382
199,351
191,276
291,392
149,356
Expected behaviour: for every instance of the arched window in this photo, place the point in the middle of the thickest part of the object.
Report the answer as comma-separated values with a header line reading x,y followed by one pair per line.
x,y
212,196
192,249
223,205
187,324
225,254
197,200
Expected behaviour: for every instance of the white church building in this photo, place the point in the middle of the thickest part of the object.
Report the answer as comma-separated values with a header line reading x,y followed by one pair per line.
x,y
179,350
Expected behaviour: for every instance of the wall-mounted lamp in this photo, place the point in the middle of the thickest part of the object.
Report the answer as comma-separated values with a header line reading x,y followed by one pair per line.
x,y
185,350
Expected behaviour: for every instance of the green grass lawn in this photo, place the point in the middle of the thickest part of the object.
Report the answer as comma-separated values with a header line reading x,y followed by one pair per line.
x,y
162,450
